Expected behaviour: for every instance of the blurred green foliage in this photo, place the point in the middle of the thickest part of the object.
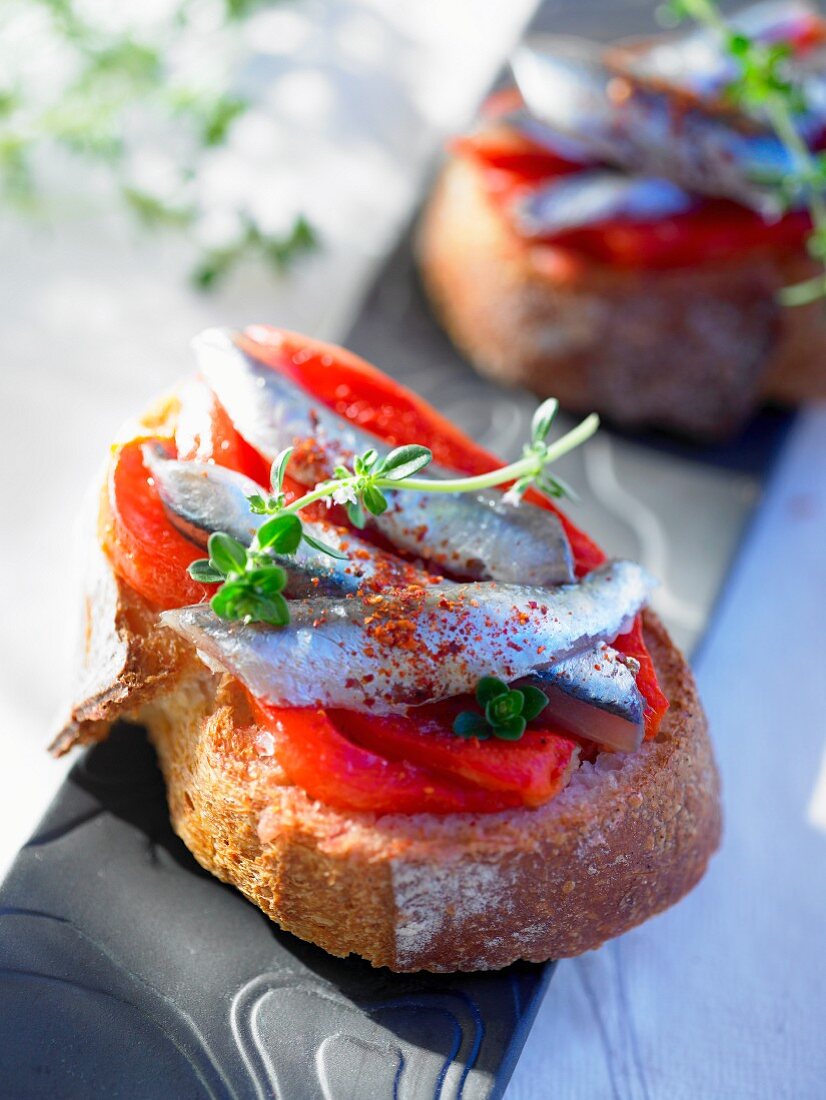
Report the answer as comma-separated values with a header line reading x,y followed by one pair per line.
x,y
114,90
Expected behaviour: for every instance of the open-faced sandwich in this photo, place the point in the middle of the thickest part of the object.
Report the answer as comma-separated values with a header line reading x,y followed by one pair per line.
x,y
406,712
614,231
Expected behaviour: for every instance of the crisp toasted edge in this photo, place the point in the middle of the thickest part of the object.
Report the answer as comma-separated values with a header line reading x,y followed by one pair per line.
x,y
693,350
628,837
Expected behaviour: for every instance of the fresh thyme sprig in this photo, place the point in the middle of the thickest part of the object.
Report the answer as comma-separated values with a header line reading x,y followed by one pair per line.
x,y
763,84
252,580
506,711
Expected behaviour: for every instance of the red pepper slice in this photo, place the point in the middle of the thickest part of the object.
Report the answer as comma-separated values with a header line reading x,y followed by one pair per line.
x,y
633,645
205,433
536,766
144,548
317,757
712,230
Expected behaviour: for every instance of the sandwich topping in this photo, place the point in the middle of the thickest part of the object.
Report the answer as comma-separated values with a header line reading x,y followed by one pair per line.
x,y
682,150
420,628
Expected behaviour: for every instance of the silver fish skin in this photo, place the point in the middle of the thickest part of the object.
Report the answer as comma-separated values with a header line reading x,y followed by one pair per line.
x,y
594,196
594,694
413,646
696,59
643,127
201,498
474,535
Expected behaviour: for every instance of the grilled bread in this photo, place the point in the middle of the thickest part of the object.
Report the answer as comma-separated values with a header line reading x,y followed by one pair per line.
x,y
693,350
628,837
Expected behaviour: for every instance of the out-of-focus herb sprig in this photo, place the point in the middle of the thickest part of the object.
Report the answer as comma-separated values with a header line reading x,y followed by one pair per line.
x,y
117,91
763,83
252,581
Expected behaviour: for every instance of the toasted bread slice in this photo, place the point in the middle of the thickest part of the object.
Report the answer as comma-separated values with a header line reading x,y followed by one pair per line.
x,y
693,350
628,837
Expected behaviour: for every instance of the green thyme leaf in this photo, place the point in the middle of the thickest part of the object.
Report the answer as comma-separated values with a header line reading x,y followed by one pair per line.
x,y
468,724
553,486
279,469
374,500
282,534
267,580
542,420
405,461
489,687
504,707
535,702
274,611
322,547
356,515
226,553
227,600
204,571
364,463
510,730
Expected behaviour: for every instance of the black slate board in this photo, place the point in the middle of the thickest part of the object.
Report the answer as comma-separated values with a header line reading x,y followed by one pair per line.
x,y
127,971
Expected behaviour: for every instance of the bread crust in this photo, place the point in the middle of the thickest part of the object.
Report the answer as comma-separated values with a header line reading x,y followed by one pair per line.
x,y
693,350
628,836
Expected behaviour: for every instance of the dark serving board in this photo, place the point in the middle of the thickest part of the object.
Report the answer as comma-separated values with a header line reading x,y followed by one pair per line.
x,y
126,971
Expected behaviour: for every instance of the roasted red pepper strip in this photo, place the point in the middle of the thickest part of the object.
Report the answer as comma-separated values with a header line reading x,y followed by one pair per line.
x,y
712,230
633,645
317,757
144,548
205,433
536,766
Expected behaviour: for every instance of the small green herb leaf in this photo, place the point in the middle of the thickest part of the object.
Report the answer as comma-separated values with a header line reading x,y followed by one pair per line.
x,y
469,724
355,513
267,580
542,420
227,554
205,572
364,463
504,707
279,469
405,461
535,702
507,711
227,599
374,500
510,730
282,534
489,687
273,610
